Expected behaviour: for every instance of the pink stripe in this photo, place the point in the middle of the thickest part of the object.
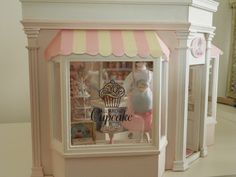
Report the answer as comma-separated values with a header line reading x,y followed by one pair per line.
x,y
117,43
92,42
142,44
164,48
67,42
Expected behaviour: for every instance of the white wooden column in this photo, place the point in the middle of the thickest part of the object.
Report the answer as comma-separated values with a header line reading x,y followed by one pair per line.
x,y
32,35
205,90
184,38
215,71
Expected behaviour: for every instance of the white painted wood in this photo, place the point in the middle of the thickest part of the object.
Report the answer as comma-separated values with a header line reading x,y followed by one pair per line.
x,y
205,90
164,99
32,35
185,38
158,10
111,150
141,25
209,5
215,73
212,105
193,157
196,13
162,156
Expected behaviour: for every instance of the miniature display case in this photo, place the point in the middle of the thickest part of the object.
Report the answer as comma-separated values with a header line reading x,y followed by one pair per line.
x,y
107,84
101,108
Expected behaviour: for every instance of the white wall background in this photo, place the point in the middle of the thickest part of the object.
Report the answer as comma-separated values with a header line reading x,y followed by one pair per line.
x,y
14,82
222,22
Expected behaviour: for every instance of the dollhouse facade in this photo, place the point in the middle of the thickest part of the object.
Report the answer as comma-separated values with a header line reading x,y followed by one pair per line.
x,y
81,51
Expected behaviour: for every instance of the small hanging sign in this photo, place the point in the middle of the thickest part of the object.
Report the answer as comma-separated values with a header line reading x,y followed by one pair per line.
x,y
198,47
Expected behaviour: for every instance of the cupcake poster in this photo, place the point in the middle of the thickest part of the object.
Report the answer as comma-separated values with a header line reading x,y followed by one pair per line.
x,y
111,94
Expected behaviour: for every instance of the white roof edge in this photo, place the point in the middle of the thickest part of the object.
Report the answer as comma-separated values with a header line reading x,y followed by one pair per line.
x,y
209,5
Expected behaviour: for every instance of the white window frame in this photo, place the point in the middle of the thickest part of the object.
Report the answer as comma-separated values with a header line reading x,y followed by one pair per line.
x,y
110,149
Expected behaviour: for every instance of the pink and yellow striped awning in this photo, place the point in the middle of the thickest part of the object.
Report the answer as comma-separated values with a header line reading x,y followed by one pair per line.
x,y
106,43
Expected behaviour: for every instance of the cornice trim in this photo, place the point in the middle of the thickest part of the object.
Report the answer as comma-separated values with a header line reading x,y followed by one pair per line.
x,y
209,5
55,25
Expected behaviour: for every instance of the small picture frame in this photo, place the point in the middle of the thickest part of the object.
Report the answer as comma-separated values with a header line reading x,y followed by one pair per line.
x,y
83,132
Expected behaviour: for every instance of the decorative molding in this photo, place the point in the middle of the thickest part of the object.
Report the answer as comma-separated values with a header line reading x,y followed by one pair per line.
x,y
32,35
184,35
180,165
208,5
52,24
205,94
210,36
203,152
202,29
119,153
49,24
32,32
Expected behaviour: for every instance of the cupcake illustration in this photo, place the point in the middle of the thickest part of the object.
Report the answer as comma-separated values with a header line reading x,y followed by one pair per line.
x,y
111,94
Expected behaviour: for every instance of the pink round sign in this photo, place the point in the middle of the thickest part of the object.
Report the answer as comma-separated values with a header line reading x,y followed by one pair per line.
x,y
198,47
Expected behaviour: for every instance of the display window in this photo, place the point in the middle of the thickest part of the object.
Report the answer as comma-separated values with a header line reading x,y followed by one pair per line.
x,y
111,102
108,97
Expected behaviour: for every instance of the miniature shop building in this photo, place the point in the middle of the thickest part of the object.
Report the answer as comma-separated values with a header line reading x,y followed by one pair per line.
x,y
196,95
90,60
90,99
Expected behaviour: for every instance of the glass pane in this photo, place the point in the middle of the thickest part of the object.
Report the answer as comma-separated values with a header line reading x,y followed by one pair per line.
x,y
111,102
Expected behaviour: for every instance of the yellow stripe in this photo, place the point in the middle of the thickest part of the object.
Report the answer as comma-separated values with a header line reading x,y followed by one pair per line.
x,y
153,44
129,43
104,41
79,46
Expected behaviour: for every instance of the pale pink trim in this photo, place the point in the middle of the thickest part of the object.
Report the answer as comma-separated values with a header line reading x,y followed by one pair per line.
x,y
142,44
66,47
62,44
54,46
164,48
117,43
92,47
215,52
